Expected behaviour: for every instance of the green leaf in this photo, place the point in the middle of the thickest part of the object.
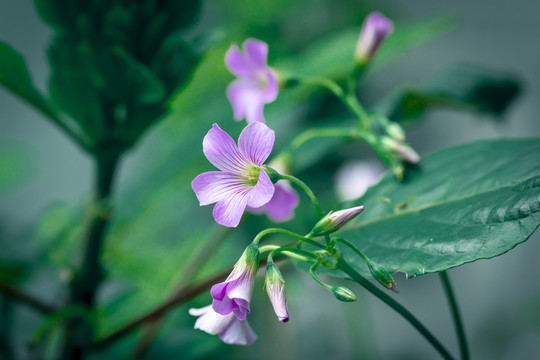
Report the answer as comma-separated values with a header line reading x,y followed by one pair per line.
x,y
15,77
465,203
462,87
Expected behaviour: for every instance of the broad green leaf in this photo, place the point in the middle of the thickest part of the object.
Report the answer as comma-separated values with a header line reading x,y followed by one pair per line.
x,y
15,77
462,87
461,204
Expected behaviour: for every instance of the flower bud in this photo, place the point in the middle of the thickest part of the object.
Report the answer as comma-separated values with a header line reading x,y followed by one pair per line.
x,y
343,294
382,276
333,221
275,288
395,131
375,29
403,151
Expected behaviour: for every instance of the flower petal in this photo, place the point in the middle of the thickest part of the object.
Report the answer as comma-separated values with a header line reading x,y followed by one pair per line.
x,y
256,142
212,322
272,88
239,333
244,97
221,150
238,63
281,206
212,186
229,210
257,52
261,193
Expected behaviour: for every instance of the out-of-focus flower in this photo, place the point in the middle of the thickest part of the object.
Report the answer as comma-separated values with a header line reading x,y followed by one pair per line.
x,y
228,327
257,83
375,29
234,294
281,207
354,178
241,182
275,288
333,221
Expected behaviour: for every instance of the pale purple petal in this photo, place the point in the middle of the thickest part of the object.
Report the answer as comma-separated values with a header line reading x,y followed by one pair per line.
x,y
238,63
244,97
281,206
279,301
212,186
270,93
210,321
256,51
238,332
375,29
228,211
256,142
221,150
262,192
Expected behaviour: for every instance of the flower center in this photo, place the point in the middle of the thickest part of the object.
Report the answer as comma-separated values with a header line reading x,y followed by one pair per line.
x,y
253,175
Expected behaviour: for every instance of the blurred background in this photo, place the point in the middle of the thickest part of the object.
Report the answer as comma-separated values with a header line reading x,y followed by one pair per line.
x,y
158,225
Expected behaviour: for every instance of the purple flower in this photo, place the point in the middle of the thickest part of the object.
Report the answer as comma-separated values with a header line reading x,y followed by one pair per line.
x,y
375,29
256,84
230,329
234,294
275,288
241,181
281,207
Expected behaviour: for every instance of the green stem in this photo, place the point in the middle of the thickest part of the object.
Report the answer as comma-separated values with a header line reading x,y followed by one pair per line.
x,y
87,280
316,278
326,83
343,266
293,253
307,190
315,133
354,248
460,330
288,233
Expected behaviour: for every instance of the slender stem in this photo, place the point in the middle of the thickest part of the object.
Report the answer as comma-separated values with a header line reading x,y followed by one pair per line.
x,y
307,190
315,133
33,302
460,330
288,233
326,83
354,248
343,266
293,253
87,280
316,278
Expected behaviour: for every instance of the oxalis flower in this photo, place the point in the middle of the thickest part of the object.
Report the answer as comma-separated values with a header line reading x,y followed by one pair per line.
x,y
228,327
375,29
234,294
275,288
241,181
256,84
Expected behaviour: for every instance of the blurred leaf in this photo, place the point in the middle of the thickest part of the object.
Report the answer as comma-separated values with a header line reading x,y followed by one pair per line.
x,y
465,203
462,87
72,86
14,168
333,55
15,77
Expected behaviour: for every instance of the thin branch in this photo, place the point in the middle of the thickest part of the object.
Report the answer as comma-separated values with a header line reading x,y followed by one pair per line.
x,y
460,329
17,294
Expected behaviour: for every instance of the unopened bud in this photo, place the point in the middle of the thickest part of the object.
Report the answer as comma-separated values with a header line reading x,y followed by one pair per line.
x,y
375,29
396,131
275,288
382,276
403,151
333,221
343,294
